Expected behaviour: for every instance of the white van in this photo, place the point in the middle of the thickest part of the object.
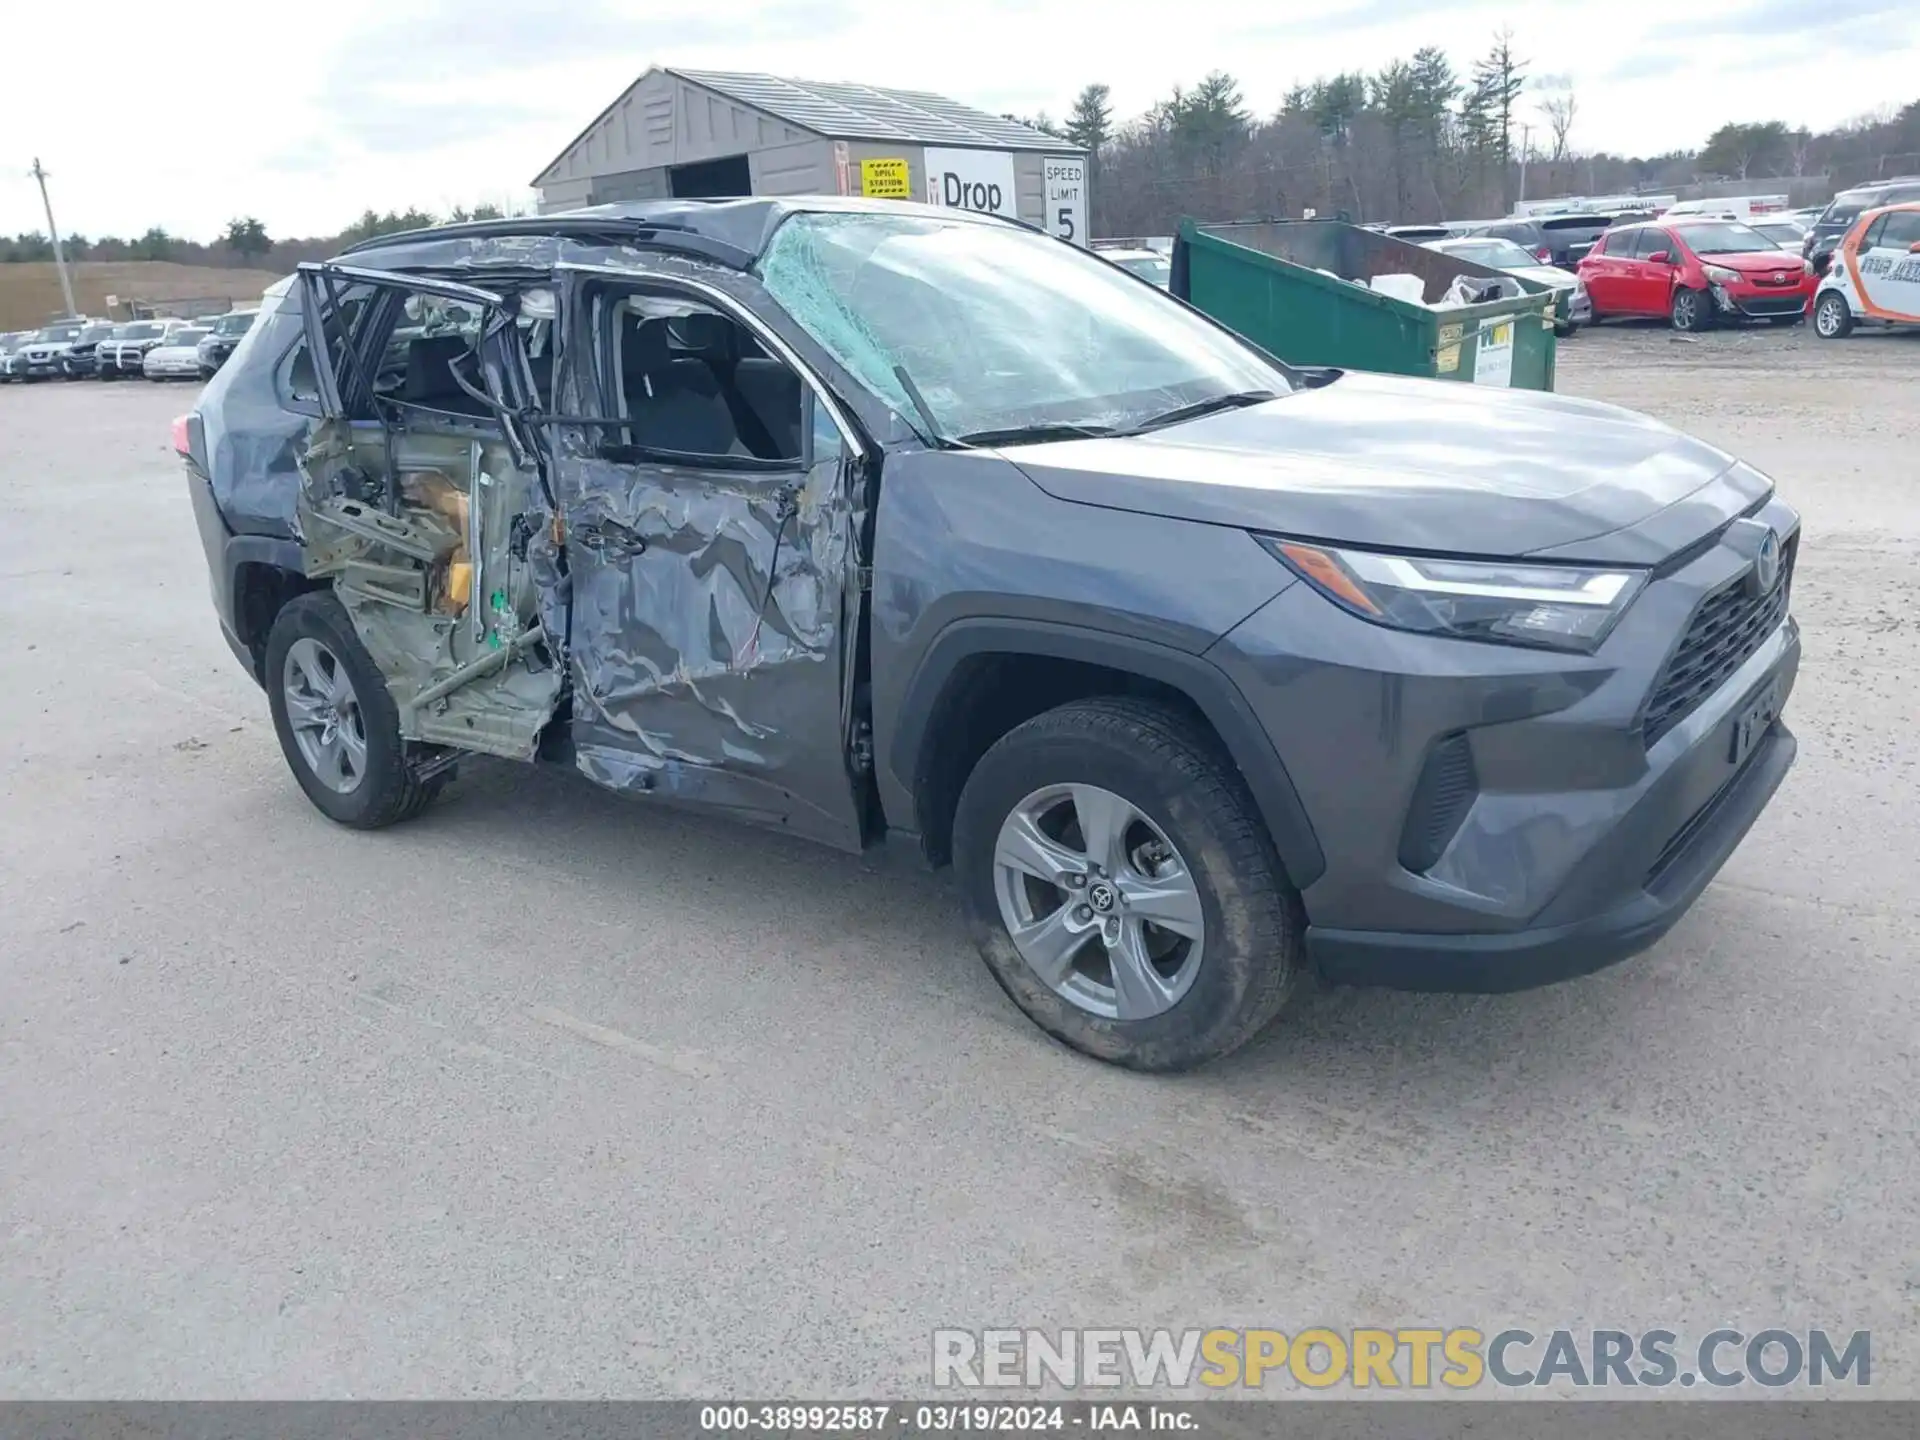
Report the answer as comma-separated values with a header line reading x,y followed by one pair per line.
x,y
1875,275
1731,207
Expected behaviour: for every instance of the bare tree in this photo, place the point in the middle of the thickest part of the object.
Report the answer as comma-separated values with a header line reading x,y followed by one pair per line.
x,y
1558,110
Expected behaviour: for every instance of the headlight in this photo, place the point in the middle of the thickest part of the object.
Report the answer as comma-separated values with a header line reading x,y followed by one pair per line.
x,y
1512,602
1720,275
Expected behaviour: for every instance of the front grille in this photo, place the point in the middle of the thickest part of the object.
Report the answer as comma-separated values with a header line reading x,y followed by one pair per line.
x,y
1771,304
1441,799
1791,277
1726,629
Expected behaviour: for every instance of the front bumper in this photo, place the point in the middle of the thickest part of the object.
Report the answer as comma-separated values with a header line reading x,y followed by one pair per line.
x,y
1765,301
1578,843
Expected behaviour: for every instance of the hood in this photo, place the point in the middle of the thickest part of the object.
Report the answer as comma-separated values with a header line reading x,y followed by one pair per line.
x,y
1432,465
1756,262
1547,275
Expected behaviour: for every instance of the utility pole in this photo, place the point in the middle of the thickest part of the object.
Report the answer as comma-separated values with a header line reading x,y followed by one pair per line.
x,y
38,172
1526,149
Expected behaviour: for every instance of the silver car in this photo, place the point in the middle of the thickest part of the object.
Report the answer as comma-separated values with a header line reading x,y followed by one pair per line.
x,y
176,357
1572,306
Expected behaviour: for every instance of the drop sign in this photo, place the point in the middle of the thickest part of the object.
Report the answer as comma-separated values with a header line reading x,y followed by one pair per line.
x,y
979,180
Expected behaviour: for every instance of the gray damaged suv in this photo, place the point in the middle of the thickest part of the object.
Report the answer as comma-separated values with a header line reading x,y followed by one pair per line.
x,y
879,524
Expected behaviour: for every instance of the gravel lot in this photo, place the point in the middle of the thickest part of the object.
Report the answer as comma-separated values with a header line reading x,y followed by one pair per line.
x,y
550,1095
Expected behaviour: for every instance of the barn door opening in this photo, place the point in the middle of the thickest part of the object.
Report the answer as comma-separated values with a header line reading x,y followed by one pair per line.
x,y
711,179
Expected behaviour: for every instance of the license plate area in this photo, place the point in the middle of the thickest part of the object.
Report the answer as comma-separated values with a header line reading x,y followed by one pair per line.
x,y
1750,722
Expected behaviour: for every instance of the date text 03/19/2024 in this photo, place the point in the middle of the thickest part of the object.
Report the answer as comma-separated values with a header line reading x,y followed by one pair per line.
x,y
943,1418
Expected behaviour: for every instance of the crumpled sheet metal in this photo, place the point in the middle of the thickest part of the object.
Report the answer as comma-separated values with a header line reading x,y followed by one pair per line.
x,y
682,653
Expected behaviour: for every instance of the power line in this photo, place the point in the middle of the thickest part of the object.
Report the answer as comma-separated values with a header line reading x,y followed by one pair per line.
x,y
39,173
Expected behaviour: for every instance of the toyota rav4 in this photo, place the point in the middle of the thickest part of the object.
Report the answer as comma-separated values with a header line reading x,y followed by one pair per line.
x,y
873,523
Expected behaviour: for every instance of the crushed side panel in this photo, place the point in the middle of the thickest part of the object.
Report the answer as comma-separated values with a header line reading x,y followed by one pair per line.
x,y
683,654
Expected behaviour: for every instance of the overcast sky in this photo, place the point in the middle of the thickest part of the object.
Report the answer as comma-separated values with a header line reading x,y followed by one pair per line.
x,y
184,114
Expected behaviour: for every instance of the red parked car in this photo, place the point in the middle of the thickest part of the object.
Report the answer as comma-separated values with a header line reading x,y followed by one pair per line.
x,y
1694,272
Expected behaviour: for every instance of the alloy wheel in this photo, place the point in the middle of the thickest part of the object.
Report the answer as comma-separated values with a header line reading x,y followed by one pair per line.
x,y
323,711
1099,902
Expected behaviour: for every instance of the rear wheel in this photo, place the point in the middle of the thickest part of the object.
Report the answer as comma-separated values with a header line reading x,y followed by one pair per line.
x,y
338,726
1832,316
1122,888
1692,310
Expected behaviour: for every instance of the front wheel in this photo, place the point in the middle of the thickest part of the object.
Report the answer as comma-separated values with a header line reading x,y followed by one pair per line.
x,y
1692,310
1832,316
1122,888
338,726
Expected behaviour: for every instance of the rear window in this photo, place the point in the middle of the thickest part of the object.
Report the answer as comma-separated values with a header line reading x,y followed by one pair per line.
x,y
1574,223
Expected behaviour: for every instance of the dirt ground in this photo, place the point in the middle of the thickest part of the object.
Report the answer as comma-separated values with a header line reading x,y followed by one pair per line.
x,y
548,1094
30,294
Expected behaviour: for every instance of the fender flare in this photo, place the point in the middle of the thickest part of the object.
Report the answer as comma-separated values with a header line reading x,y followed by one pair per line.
x,y
272,551
1202,682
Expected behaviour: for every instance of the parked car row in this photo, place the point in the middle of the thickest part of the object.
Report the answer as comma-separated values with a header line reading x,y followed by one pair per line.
x,y
1707,262
159,349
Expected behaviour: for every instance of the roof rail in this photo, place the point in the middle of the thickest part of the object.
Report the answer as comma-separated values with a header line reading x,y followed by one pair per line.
x,y
613,229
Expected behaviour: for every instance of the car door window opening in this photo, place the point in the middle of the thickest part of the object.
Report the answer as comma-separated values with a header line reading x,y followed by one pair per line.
x,y
684,379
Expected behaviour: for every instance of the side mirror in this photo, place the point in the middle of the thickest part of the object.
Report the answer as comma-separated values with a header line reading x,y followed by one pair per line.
x,y
1660,257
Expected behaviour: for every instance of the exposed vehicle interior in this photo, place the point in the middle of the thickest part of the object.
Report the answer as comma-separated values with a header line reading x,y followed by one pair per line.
x,y
419,508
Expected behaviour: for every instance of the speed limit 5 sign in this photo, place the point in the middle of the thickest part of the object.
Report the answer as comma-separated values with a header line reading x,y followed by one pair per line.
x,y
1066,191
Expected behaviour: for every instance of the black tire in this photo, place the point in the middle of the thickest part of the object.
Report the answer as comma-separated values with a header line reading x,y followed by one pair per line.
x,y
1174,773
1832,316
1692,310
388,792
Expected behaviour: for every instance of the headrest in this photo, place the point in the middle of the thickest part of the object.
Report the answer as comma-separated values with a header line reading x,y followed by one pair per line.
x,y
429,366
644,349
705,335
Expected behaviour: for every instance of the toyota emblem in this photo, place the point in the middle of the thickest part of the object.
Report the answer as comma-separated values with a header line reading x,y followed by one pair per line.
x,y
1780,277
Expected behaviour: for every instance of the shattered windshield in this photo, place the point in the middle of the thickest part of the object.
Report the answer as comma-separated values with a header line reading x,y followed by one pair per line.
x,y
999,330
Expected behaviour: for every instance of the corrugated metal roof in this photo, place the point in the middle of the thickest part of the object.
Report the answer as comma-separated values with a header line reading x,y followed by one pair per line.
x,y
866,112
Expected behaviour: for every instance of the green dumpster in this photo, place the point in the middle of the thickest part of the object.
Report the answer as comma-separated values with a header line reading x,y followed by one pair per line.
x,y
1289,287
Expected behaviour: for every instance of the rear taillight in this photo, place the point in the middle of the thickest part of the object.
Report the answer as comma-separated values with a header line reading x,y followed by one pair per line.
x,y
183,436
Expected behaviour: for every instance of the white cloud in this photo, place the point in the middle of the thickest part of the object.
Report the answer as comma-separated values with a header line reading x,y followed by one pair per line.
x,y
186,114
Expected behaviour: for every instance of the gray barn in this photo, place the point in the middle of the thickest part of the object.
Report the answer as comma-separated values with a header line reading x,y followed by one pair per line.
x,y
701,133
